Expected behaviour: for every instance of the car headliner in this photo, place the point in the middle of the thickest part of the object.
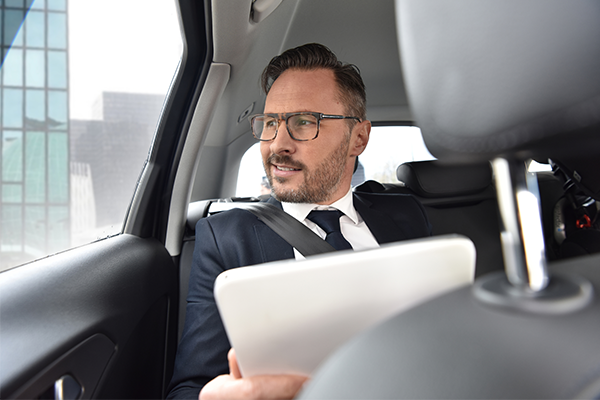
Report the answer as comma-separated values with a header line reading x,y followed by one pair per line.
x,y
346,26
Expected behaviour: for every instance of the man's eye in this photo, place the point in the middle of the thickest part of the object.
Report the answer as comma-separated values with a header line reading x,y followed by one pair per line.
x,y
303,121
270,123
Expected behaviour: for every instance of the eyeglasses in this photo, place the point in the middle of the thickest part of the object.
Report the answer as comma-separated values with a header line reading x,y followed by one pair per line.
x,y
301,126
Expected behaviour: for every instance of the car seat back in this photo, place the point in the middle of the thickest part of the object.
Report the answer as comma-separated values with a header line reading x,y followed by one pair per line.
x,y
458,199
502,81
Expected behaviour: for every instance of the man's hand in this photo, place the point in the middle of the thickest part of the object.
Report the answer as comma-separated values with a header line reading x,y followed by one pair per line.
x,y
234,387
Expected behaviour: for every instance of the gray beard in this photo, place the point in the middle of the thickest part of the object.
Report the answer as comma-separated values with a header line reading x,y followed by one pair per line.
x,y
319,185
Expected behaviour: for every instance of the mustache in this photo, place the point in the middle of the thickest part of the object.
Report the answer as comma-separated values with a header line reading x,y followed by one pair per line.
x,y
287,160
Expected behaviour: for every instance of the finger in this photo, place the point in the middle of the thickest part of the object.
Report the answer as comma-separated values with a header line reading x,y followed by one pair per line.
x,y
276,386
263,387
234,368
217,388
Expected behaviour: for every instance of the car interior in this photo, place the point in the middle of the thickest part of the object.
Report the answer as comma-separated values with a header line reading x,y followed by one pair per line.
x,y
492,86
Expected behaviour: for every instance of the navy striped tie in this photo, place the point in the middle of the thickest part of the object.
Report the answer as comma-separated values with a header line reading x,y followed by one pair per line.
x,y
329,221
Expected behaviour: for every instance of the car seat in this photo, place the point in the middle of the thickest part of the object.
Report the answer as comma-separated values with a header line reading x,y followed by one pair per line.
x,y
502,81
458,199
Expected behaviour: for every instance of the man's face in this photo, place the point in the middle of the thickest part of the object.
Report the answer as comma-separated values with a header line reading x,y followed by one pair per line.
x,y
316,171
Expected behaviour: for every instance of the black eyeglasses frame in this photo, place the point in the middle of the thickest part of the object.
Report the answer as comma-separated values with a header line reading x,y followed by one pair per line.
x,y
286,116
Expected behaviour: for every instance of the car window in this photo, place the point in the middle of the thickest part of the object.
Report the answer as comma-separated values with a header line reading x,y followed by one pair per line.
x,y
389,146
82,84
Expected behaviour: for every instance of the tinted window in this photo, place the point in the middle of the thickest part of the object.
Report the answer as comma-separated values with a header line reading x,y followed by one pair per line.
x,y
82,84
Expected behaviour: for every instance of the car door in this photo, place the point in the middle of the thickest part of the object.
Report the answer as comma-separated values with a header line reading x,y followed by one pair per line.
x,y
99,320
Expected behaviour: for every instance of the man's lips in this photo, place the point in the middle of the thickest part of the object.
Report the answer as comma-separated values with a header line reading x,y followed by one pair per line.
x,y
284,171
284,168
283,165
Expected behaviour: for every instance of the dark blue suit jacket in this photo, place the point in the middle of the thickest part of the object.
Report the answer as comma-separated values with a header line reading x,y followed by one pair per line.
x,y
238,238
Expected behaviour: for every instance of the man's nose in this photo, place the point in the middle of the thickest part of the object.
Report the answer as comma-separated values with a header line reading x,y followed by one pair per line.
x,y
283,142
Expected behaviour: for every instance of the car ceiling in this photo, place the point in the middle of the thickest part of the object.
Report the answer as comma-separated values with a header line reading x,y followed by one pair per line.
x,y
358,31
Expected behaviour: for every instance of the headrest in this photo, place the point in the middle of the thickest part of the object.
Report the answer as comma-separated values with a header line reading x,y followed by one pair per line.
x,y
434,179
489,78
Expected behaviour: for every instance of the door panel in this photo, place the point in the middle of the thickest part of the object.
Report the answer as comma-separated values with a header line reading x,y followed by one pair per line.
x,y
104,316
88,359
104,313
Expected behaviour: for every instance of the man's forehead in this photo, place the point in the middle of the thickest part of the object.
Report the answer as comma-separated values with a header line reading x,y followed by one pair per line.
x,y
302,90
304,78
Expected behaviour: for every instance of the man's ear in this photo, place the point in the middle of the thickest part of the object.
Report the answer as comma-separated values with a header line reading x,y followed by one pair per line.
x,y
360,137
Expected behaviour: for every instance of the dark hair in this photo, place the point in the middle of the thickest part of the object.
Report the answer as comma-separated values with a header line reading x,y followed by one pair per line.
x,y
316,56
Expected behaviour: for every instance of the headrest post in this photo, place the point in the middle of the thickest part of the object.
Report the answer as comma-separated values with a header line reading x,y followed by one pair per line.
x,y
522,234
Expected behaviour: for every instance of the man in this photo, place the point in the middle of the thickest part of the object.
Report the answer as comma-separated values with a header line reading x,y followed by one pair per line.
x,y
313,127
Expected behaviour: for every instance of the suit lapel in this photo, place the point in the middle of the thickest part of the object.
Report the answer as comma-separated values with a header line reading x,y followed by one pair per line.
x,y
275,202
381,225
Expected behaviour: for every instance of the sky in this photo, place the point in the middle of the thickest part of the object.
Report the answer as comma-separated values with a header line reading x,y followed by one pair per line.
x,y
120,45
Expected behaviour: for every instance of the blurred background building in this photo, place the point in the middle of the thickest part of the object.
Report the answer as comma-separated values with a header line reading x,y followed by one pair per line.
x,y
63,182
34,190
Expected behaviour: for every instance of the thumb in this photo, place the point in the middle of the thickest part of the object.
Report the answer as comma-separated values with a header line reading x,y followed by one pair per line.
x,y
234,368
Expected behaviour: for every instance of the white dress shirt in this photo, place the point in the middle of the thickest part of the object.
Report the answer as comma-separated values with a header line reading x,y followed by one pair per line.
x,y
352,225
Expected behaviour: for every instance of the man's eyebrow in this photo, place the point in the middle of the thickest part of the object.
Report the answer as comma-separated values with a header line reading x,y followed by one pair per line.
x,y
291,112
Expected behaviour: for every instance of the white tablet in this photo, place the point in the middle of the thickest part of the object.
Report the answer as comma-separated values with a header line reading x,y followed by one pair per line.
x,y
288,316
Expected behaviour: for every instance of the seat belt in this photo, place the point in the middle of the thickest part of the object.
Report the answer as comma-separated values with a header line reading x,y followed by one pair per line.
x,y
301,237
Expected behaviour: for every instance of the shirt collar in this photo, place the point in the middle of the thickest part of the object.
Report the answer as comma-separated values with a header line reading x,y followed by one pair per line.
x,y
301,210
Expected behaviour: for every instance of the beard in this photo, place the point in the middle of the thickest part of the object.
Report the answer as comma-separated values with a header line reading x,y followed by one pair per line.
x,y
318,185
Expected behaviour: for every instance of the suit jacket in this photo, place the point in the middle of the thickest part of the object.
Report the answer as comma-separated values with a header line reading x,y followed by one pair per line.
x,y
238,238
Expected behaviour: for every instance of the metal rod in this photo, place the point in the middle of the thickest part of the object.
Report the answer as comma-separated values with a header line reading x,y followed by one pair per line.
x,y
522,235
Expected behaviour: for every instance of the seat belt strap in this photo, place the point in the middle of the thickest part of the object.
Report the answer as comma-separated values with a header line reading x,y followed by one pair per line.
x,y
301,237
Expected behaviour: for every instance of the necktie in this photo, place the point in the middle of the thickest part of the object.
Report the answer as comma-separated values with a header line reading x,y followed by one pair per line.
x,y
329,221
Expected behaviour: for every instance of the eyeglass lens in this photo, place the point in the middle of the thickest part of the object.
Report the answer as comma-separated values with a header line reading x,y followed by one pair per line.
x,y
300,126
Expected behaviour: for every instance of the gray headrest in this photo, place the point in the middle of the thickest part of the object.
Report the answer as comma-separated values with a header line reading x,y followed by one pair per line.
x,y
434,179
487,77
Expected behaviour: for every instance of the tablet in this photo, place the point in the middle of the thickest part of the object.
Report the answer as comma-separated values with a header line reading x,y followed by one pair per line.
x,y
288,316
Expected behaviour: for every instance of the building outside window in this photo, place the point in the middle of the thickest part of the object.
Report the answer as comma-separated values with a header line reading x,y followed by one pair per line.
x,y
34,193
82,84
